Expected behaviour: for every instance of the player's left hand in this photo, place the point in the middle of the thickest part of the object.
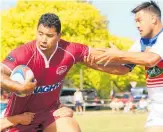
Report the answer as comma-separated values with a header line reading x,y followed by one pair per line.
x,y
89,60
63,112
109,55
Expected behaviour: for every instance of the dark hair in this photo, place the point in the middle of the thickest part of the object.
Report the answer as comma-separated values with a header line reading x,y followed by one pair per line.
x,y
150,6
50,20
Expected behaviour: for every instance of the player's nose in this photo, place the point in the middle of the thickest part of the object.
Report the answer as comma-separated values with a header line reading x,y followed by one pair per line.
x,y
44,40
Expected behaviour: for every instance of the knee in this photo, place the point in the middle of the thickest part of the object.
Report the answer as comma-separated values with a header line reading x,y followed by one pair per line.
x,y
67,124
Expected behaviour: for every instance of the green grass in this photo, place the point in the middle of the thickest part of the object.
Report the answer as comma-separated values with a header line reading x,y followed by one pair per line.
x,y
105,121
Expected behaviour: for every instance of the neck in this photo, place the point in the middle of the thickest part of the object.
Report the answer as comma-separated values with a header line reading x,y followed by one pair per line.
x,y
156,30
49,52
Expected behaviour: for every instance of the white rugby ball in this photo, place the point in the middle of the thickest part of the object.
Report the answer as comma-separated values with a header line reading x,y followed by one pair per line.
x,y
21,74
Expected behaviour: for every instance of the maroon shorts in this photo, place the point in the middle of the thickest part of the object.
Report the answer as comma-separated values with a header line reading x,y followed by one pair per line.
x,y
40,122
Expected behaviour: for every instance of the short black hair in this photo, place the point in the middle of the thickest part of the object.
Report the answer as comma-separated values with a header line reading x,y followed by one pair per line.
x,y
150,6
50,20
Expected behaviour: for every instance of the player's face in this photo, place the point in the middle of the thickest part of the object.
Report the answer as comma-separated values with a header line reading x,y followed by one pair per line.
x,y
144,23
47,37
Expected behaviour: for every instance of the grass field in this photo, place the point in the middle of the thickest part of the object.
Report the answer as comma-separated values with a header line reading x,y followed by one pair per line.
x,y
105,121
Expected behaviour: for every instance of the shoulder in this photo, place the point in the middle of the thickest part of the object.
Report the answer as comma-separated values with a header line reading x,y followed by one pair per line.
x,y
26,48
160,36
24,51
136,46
68,45
138,41
76,50
72,47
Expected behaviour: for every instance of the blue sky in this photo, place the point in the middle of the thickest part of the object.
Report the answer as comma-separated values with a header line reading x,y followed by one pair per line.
x,y
118,13
121,20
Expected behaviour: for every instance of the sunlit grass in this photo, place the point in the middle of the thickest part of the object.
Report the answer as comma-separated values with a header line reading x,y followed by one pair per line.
x,y
105,121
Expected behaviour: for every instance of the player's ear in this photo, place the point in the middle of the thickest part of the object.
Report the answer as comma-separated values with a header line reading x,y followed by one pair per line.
x,y
154,18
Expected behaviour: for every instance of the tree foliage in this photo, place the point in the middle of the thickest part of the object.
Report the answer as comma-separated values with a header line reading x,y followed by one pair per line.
x,y
81,22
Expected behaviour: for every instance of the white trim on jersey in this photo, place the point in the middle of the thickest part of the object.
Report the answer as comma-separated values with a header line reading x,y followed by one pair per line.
x,y
158,82
13,107
6,66
30,58
9,107
47,62
154,79
155,86
68,52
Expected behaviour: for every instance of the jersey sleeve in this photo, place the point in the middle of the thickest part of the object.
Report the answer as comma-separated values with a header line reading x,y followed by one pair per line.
x,y
158,46
129,66
80,50
15,58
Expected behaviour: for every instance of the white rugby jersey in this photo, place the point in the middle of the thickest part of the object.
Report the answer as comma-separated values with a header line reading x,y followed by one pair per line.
x,y
154,75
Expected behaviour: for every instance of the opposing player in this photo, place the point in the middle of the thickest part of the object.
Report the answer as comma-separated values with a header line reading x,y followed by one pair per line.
x,y
148,52
50,58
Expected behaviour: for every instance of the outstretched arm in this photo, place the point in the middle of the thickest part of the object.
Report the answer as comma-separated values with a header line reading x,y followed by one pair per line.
x,y
123,57
110,68
150,57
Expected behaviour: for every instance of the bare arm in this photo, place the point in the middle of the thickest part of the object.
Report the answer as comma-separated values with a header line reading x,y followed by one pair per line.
x,y
140,58
13,86
24,119
111,68
7,122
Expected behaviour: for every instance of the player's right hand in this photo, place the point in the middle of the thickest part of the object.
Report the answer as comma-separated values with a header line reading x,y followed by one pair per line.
x,y
28,87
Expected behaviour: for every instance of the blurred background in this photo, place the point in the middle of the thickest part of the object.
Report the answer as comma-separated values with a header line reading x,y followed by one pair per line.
x,y
108,100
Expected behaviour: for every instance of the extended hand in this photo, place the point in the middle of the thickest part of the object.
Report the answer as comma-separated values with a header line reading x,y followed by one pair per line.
x,y
89,60
28,87
109,55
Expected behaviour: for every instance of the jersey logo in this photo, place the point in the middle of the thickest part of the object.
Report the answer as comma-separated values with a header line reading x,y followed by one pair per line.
x,y
47,88
60,70
10,58
154,71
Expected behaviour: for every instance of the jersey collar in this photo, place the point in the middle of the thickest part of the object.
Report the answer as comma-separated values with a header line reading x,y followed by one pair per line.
x,y
47,62
151,41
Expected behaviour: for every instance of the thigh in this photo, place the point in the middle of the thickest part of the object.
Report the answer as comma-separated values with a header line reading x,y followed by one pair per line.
x,y
154,129
67,124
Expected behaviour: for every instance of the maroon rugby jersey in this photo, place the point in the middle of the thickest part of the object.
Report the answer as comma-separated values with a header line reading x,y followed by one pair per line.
x,y
48,73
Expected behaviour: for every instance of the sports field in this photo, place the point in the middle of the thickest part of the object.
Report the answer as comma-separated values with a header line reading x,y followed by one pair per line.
x,y
105,121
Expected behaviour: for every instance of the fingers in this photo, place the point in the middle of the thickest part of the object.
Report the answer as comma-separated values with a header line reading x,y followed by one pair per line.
x,y
26,118
85,59
107,62
92,60
89,59
29,115
101,58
